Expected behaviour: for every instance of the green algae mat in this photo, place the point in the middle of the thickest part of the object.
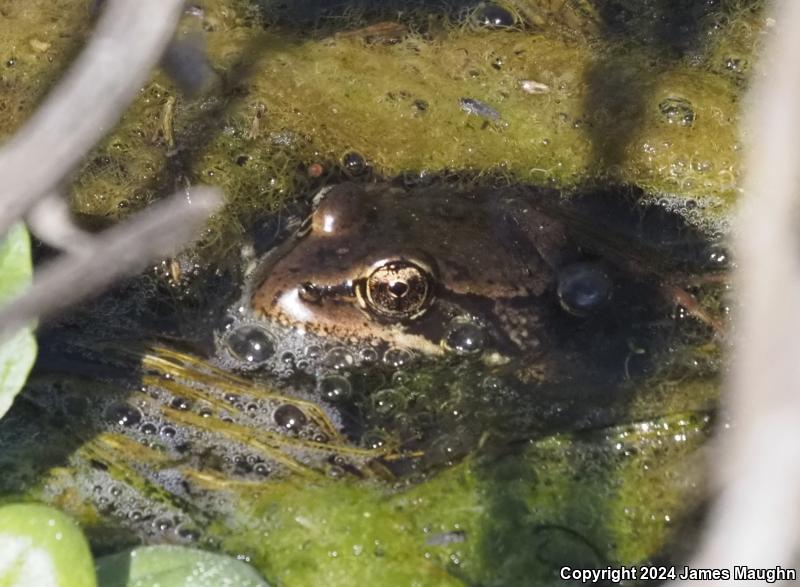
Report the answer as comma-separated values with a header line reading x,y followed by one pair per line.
x,y
618,99
299,95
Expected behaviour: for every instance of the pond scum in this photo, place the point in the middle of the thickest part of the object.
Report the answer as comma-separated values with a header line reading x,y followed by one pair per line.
x,y
639,93
649,110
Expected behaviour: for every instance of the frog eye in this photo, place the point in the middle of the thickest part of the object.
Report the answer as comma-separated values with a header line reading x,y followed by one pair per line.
x,y
583,288
396,290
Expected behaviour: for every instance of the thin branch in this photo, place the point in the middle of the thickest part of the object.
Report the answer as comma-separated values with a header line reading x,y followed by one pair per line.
x,y
756,518
51,222
130,38
118,252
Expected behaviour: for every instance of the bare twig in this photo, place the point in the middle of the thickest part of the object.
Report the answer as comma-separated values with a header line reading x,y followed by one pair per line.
x,y
51,222
130,39
119,251
756,519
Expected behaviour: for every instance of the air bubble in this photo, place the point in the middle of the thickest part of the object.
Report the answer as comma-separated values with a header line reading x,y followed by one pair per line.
x,y
123,414
374,441
387,401
353,163
735,64
492,384
290,417
702,166
339,358
397,357
464,337
180,403
335,388
401,378
313,351
492,16
228,322
162,524
678,111
250,343
188,533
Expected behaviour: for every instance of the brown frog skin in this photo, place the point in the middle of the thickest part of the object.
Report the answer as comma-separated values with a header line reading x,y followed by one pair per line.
x,y
402,266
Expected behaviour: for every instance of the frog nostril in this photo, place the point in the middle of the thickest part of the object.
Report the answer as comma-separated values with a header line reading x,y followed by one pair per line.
x,y
583,288
309,292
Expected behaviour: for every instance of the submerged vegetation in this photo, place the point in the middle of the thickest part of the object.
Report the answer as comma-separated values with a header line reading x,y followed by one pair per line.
x,y
127,429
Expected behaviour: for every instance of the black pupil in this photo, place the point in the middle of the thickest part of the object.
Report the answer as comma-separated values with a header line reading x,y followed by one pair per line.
x,y
398,288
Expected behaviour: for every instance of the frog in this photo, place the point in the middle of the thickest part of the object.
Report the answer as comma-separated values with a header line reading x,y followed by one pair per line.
x,y
504,274
519,305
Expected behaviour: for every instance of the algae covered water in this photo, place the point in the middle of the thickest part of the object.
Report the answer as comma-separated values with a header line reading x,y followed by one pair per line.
x,y
218,427
460,322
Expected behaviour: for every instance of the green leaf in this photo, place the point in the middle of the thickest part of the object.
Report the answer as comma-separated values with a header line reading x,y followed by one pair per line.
x,y
43,547
174,566
18,353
